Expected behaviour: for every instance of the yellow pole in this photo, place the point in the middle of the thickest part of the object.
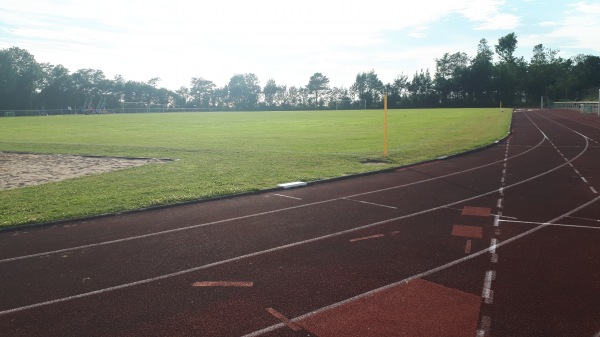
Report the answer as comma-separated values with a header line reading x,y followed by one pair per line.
x,y
385,138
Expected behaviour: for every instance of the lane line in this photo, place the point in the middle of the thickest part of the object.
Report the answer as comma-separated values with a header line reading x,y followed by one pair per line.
x,y
223,284
248,216
554,225
493,243
588,219
593,190
376,236
284,320
371,203
285,196
499,203
486,324
421,275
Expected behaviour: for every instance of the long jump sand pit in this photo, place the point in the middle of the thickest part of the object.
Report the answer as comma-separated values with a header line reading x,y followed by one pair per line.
x,y
26,169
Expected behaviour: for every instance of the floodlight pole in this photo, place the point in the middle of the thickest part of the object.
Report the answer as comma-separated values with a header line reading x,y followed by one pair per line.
x,y
385,122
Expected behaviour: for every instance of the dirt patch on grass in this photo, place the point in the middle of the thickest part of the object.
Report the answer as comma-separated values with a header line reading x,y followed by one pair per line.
x,y
24,169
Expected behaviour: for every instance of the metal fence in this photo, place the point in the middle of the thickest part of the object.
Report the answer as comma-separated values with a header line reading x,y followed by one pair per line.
x,y
584,107
62,112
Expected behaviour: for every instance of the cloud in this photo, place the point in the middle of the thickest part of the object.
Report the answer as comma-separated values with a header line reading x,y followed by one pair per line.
x,y
488,15
215,39
578,31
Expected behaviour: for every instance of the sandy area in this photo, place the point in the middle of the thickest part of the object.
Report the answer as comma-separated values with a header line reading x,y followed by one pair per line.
x,y
20,170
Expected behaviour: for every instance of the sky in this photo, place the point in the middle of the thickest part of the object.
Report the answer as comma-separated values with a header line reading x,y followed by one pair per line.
x,y
282,40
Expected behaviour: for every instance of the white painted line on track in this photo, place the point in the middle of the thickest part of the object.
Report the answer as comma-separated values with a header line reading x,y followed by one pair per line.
x,y
248,216
494,258
285,196
487,293
486,324
553,225
371,203
587,219
499,203
493,243
420,275
584,180
496,220
593,190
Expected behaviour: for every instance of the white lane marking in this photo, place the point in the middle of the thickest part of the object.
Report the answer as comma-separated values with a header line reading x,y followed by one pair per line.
x,y
597,335
486,324
285,196
588,219
487,292
493,243
58,251
499,203
501,191
496,220
494,258
420,275
553,225
371,203
593,190
584,180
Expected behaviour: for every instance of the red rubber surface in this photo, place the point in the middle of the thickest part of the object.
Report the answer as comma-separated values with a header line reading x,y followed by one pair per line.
x,y
500,242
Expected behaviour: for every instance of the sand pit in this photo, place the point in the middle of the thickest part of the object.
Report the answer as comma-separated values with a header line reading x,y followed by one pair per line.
x,y
21,170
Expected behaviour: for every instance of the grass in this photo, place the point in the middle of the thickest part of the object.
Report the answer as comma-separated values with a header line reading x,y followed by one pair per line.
x,y
226,153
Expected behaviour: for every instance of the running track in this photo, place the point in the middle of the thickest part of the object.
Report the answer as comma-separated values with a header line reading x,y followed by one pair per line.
x,y
499,242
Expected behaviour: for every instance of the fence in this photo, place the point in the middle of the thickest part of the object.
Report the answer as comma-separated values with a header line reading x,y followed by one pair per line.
x,y
62,112
584,107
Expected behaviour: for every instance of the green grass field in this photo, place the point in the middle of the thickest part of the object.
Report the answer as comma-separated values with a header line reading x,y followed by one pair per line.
x,y
226,153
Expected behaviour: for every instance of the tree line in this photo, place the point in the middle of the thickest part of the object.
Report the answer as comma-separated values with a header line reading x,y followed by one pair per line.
x,y
459,80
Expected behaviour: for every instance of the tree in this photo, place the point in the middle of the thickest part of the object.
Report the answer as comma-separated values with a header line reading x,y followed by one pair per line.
x,y
547,73
421,89
369,87
317,83
449,76
480,74
57,89
244,91
506,47
201,92
509,71
585,75
20,75
270,91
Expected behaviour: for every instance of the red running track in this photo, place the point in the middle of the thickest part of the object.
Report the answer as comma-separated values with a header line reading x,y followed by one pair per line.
x,y
499,242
